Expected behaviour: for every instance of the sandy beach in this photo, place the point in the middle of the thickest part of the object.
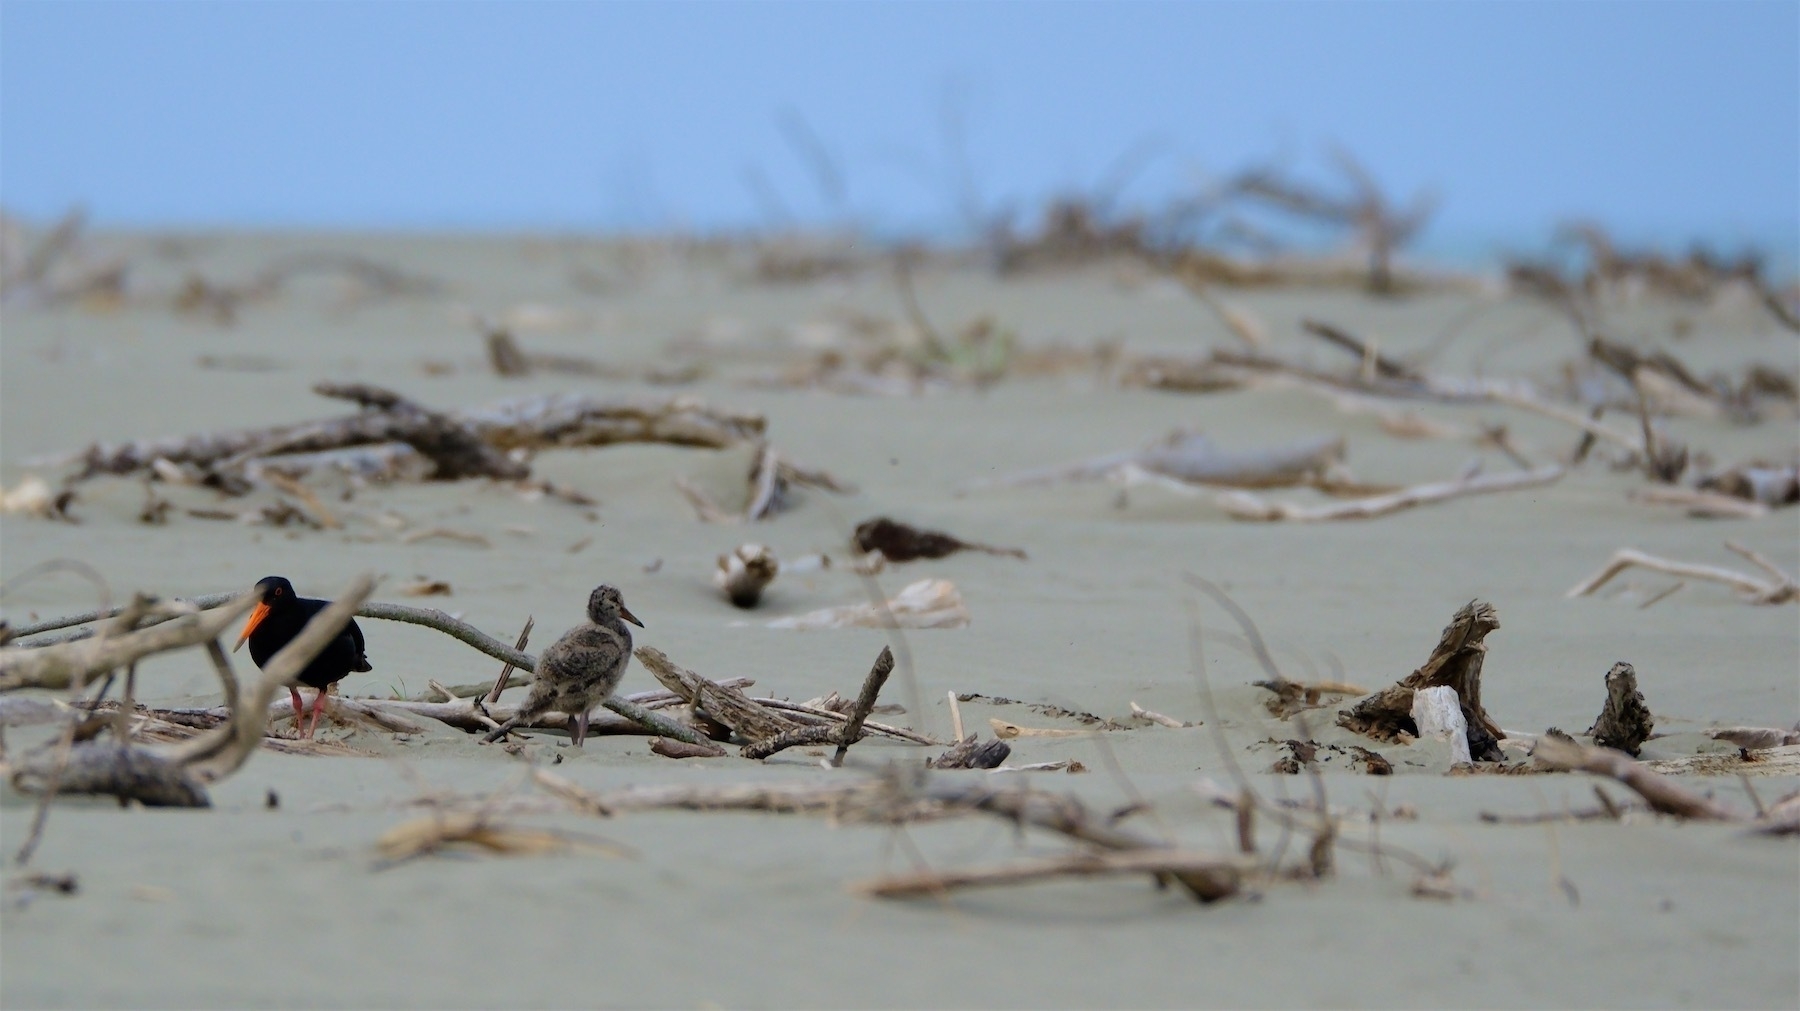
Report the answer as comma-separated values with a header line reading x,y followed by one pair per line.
x,y
248,905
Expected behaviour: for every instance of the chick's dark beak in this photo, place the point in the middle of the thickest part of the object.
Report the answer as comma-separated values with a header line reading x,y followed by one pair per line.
x,y
625,612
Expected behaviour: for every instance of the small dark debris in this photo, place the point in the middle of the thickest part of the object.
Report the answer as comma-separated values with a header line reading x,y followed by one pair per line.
x,y
898,542
972,753
1372,762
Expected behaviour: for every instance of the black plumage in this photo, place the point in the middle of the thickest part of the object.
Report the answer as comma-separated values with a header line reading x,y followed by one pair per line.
x,y
278,618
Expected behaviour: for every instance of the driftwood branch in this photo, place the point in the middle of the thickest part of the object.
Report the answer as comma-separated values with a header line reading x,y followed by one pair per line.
x,y
1217,876
1779,589
865,702
843,735
750,720
75,663
771,478
1069,817
1660,792
1373,360
1245,506
459,443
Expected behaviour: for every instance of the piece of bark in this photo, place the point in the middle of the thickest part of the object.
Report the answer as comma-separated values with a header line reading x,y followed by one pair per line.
x,y
745,573
1625,722
1372,762
972,753
504,354
899,542
1456,663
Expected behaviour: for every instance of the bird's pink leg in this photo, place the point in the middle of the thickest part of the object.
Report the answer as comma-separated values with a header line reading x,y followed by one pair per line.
x,y
317,706
298,708
581,722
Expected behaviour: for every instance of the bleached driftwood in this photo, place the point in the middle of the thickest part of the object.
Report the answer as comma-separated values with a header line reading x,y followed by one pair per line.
x,y
1158,718
75,663
1526,402
928,603
1779,589
1703,504
1193,458
1438,713
1245,506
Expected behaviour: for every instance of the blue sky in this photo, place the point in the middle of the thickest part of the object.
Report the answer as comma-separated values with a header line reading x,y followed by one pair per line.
x,y
1667,121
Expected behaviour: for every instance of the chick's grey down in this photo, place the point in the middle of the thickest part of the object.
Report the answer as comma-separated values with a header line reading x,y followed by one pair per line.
x,y
583,667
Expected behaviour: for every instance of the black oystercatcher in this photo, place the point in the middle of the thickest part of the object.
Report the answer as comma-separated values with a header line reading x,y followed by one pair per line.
x,y
280,616
583,667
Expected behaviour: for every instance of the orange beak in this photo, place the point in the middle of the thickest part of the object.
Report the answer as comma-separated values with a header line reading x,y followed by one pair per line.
x,y
625,612
255,619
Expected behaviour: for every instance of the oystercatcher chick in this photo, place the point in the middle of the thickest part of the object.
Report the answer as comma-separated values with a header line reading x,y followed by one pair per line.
x,y
276,619
582,668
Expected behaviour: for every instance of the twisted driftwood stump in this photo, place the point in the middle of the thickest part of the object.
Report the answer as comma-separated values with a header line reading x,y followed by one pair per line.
x,y
1625,722
1454,663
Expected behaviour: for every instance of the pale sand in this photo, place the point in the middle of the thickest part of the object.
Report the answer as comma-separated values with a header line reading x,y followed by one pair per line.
x,y
249,907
